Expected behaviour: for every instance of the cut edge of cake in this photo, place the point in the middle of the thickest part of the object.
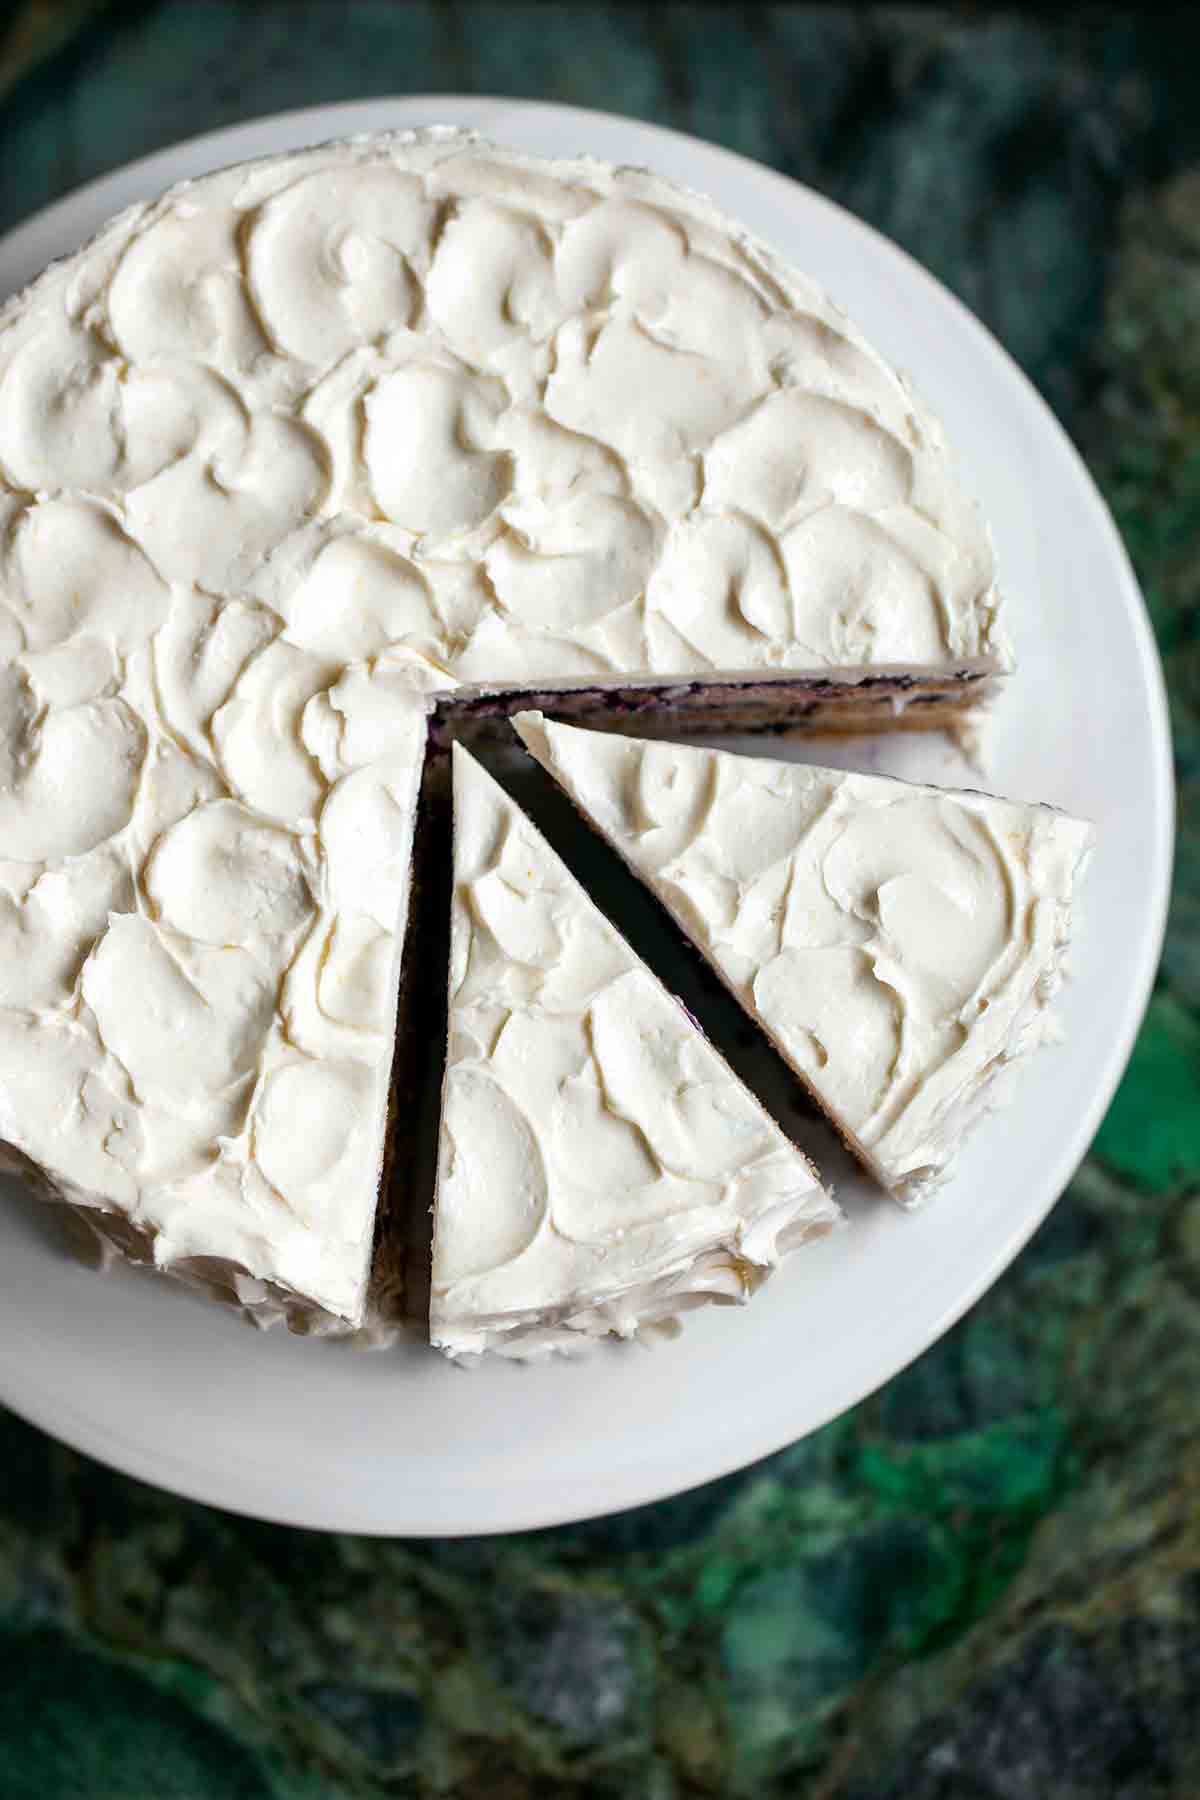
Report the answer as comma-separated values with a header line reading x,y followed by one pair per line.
x,y
844,702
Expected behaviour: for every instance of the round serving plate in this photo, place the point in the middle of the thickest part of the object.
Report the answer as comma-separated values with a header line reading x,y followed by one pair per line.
x,y
176,1391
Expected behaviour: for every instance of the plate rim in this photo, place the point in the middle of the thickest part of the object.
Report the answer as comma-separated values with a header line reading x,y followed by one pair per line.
x,y
561,1503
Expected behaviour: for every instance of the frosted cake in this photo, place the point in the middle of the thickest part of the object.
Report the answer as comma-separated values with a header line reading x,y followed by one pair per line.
x,y
300,450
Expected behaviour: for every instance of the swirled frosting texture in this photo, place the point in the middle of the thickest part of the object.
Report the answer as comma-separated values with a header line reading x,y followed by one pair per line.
x,y
206,833
199,948
284,451
599,1165
551,422
898,944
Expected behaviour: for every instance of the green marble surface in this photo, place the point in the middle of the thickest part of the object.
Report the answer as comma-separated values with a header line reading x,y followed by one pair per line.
x,y
984,1583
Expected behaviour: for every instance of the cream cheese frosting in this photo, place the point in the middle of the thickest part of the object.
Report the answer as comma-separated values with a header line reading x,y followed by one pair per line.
x,y
282,455
206,833
600,1167
550,422
898,944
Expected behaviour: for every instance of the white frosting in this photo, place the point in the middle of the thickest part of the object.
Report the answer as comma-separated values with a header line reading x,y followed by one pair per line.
x,y
898,944
661,453
207,832
280,455
599,1164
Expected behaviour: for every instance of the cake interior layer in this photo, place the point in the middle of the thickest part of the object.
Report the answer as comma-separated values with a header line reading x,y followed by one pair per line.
x,y
867,703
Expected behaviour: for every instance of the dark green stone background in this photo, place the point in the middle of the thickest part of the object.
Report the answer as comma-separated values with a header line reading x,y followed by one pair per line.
x,y
985,1582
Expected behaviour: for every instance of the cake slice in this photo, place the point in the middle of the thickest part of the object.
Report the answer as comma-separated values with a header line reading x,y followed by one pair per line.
x,y
898,944
600,1167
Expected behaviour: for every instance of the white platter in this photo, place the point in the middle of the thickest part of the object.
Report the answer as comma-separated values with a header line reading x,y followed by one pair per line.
x,y
179,1393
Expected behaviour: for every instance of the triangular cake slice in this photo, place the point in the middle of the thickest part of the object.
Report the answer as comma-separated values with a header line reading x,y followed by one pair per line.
x,y
600,1169
898,944
197,1007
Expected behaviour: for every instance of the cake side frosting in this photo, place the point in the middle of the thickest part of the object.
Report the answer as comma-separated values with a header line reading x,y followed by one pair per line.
x,y
600,1167
899,945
